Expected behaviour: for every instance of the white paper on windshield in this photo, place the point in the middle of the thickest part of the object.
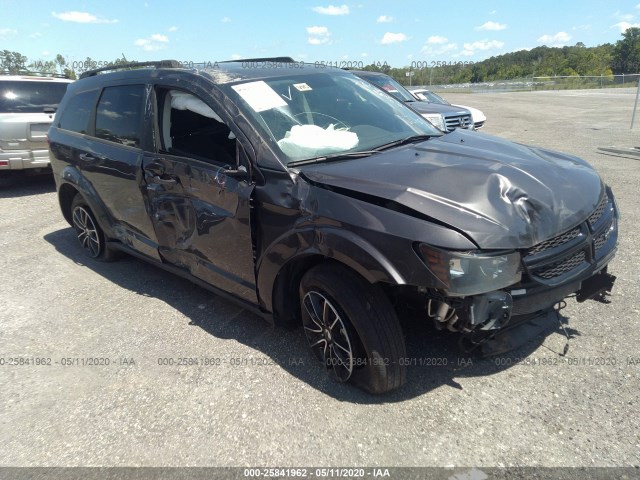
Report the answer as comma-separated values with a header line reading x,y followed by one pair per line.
x,y
259,96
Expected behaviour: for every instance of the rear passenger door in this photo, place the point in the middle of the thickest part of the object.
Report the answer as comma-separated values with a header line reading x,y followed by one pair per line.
x,y
201,213
104,134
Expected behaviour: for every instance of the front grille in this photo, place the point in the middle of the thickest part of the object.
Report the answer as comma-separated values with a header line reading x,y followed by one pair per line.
x,y
561,267
602,239
567,255
597,213
457,121
555,242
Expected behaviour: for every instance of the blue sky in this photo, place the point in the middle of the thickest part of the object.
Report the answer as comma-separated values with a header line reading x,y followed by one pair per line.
x,y
397,33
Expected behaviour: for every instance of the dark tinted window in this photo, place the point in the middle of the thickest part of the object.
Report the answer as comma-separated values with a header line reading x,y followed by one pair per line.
x,y
118,115
75,116
30,96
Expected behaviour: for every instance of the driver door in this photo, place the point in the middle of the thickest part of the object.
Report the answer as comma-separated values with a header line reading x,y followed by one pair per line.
x,y
200,212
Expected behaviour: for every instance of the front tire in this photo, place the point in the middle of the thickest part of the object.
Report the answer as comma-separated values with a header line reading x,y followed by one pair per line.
x,y
88,231
352,328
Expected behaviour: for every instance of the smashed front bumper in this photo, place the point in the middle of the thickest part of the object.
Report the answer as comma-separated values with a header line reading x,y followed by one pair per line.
x,y
572,263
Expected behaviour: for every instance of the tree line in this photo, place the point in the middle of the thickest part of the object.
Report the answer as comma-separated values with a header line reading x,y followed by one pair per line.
x,y
623,57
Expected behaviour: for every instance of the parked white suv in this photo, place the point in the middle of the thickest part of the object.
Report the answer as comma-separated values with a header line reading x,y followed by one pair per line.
x,y
27,106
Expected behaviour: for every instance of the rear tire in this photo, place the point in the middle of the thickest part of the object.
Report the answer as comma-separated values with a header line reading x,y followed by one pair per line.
x,y
88,231
352,328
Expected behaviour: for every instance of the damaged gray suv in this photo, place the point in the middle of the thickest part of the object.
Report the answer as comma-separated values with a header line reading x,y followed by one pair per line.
x,y
316,199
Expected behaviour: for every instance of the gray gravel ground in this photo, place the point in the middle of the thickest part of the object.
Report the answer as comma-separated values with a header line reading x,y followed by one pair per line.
x,y
268,403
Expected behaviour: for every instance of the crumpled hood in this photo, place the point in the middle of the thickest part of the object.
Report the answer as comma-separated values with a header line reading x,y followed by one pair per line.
x,y
501,194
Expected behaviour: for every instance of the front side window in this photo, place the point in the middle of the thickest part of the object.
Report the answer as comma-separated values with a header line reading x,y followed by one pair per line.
x,y
119,114
191,128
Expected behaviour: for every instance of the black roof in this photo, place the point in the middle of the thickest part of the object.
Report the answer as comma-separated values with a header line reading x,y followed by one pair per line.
x,y
220,72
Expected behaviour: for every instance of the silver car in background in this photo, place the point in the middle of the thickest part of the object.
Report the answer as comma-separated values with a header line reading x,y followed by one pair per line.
x,y
27,106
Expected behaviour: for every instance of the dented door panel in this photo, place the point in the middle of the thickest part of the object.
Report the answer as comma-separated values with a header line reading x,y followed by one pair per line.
x,y
201,217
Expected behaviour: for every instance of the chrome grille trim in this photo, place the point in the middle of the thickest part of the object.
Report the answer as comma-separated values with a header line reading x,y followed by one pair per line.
x,y
457,121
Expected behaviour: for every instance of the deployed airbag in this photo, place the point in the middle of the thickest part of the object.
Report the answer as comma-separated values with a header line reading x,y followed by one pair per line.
x,y
186,101
304,141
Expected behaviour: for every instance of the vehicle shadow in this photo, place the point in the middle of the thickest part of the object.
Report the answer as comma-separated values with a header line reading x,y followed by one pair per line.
x,y
434,358
27,185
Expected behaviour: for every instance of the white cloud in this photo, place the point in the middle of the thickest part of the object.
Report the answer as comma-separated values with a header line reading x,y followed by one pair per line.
x,y
158,37
35,35
173,29
436,40
225,20
155,42
364,54
81,17
438,45
439,49
318,35
624,26
389,38
470,49
384,19
332,10
623,17
493,26
7,32
235,56
557,40
493,12
45,53
581,27
111,114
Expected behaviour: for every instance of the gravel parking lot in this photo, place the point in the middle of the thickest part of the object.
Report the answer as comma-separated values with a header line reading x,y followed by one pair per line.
x,y
99,387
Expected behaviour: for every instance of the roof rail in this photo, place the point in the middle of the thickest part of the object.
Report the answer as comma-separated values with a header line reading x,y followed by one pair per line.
x,y
122,66
263,59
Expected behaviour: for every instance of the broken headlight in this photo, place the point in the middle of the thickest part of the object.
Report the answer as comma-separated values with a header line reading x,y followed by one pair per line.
x,y
471,273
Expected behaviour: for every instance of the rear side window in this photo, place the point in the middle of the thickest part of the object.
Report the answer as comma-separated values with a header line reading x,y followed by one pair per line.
x,y
30,96
77,112
119,113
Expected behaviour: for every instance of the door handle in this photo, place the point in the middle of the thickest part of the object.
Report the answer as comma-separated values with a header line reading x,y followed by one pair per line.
x,y
87,157
165,181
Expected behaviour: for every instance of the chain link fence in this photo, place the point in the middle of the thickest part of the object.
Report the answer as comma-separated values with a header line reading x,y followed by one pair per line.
x,y
541,83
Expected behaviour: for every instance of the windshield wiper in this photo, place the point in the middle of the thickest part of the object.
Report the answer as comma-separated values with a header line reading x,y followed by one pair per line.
x,y
404,141
331,158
